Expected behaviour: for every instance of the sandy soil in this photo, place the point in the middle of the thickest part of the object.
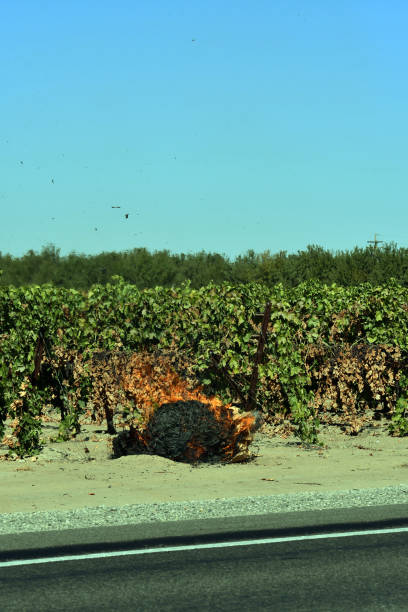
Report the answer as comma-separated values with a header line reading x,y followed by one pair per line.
x,y
81,473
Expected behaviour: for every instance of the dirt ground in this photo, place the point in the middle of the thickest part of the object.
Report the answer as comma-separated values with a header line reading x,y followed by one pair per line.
x,y
81,473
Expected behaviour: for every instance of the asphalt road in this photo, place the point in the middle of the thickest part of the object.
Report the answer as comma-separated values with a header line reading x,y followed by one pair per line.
x,y
343,559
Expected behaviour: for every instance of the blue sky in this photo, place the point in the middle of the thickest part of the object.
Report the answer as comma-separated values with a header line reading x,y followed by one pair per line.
x,y
216,126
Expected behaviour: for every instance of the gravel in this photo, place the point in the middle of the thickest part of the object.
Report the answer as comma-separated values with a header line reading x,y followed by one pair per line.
x,y
97,516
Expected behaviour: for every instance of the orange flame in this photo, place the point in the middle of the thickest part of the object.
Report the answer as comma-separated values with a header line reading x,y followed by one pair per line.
x,y
153,382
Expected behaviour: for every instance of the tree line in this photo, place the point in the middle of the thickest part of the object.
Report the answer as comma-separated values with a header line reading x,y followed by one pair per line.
x,y
161,268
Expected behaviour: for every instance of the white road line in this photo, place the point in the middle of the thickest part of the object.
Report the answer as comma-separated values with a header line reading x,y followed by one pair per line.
x,y
164,549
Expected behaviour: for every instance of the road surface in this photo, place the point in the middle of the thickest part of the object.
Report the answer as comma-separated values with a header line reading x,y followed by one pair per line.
x,y
343,559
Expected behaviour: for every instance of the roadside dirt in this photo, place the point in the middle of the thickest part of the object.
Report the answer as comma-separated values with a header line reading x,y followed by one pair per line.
x,y
81,473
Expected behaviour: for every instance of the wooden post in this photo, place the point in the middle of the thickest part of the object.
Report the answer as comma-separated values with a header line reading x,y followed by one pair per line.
x,y
251,401
38,355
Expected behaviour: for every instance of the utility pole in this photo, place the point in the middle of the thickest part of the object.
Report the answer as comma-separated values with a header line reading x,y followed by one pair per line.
x,y
375,241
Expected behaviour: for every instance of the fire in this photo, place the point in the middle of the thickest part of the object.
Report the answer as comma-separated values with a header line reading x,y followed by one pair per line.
x,y
154,384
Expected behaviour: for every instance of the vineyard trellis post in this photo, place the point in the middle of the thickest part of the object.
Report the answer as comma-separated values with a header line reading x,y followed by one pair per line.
x,y
249,401
38,355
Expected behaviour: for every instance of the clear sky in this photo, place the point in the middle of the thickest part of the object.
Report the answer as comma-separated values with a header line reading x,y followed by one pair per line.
x,y
215,125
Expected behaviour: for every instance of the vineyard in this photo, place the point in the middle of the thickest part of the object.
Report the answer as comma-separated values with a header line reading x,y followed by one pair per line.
x,y
332,355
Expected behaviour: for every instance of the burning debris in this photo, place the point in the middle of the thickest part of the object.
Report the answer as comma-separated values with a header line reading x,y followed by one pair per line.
x,y
191,432
180,422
